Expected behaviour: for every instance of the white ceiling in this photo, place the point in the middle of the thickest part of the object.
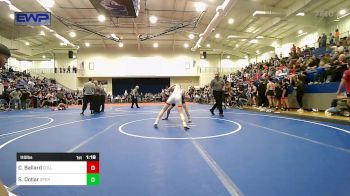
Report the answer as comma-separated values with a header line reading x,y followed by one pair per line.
x,y
171,13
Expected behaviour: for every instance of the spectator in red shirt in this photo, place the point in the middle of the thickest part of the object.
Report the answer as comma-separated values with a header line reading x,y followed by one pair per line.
x,y
345,81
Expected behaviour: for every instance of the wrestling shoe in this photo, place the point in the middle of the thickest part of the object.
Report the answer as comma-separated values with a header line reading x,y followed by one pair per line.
x,y
212,112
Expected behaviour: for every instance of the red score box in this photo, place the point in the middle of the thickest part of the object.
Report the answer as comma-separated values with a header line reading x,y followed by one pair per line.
x,y
93,167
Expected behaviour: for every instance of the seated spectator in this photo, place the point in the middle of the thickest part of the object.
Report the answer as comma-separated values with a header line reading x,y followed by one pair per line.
x,y
48,100
25,99
60,97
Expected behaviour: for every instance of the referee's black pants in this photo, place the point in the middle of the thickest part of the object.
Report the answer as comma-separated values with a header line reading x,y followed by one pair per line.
x,y
134,101
86,100
96,104
102,102
218,96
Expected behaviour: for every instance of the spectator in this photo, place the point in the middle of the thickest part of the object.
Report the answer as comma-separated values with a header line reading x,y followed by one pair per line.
x,y
254,93
284,97
270,92
337,36
331,40
278,95
48,100
1,87
61,97
300,93
16,98
324,40
261,93
25,99
345,81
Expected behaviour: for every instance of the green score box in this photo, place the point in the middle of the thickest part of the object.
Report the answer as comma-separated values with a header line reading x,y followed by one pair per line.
x,y
93,179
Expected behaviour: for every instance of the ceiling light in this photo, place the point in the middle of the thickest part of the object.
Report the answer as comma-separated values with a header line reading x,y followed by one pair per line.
x,y
300,14
300,31
200,6
257,51
208,45
27,43
228,57
191,36
231,21
12,16
217,35
342,12
153,19
275,44
87,44
233,36
155,45
243,40
186,45
272,52
254,41
61,44
246,56
260,37
42,33
250,29
72,34
47,3
121,44
74,56
114,36
304,33
101,18
44,57
48,29
237,45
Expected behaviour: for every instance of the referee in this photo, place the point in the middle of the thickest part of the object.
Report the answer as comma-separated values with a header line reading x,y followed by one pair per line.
x,y
217,85
89,92
134,95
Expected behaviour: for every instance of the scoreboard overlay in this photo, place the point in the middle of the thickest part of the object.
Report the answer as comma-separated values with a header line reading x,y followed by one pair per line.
x,y
58,169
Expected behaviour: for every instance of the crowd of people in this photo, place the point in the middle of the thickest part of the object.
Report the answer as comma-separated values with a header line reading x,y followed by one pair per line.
x,y
267,84
19,90
69,69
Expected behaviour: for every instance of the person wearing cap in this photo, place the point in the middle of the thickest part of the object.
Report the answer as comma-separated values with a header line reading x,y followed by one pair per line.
x,y
134,95
5,54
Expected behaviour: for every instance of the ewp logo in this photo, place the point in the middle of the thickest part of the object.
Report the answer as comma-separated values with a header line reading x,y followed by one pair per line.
x,y
33,18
